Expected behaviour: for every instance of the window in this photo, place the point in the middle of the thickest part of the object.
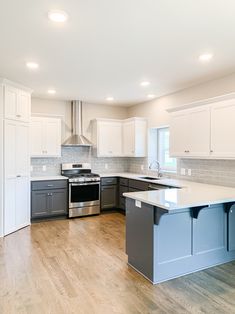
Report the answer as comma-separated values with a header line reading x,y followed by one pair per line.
x,y
163,155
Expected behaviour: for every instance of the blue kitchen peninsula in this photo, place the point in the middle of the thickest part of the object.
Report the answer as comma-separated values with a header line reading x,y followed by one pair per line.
x,y
178,231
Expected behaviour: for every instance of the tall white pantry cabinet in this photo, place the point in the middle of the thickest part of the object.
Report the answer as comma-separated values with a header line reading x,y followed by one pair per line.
x,y
15,110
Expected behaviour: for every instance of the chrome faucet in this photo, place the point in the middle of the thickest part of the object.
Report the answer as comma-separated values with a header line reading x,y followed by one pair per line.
x,y
158,169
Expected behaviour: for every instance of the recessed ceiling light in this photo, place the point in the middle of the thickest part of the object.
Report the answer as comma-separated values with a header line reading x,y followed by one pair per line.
x,y
151,96
144,83
32,65
58,16
109,98
51,91
205,57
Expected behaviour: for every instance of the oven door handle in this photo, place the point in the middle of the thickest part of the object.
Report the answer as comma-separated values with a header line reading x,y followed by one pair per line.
x,y
79,184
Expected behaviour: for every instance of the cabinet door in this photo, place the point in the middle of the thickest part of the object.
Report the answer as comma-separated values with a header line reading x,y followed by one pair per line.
x,y
36,137
198,132
10,206
22,150
109,139
52,137
23,106
10,149
39,204
58,202
22,210
108,196
10,102
179,126
231,229
190,133
223,129
129,138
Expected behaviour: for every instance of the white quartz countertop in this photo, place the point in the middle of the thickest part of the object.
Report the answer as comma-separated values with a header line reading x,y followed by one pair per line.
x,y
45,178
191,194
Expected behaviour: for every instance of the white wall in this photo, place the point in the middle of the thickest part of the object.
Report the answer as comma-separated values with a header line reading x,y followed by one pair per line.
x,y
63,110
155,110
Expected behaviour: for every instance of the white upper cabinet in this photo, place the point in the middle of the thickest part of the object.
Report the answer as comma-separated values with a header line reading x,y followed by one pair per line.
x,y
45,137
108,138
17,104
23,106
120,138
10,103
205,131
178,137
134,137
190,133
223,130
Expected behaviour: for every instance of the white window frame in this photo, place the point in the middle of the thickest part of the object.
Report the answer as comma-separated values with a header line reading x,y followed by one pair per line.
x,y
164,167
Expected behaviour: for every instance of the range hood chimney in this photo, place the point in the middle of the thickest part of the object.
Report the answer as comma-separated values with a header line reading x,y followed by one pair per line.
x,y
77,138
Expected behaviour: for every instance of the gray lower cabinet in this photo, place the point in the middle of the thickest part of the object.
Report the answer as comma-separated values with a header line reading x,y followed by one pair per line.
x,y
231,229
164,246
109,191
49,199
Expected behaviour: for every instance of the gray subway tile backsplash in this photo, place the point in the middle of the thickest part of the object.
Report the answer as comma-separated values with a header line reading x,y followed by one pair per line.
x,y
78,154
221,172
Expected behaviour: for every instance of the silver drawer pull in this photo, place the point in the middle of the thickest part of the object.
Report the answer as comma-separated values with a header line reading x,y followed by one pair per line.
x,y
50,185
18,116
18,176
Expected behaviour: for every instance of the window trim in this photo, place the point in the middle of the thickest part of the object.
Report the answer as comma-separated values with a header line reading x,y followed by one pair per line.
x,y
163,167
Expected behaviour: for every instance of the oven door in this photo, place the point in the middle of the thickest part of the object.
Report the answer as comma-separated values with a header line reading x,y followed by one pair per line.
x,y
84,194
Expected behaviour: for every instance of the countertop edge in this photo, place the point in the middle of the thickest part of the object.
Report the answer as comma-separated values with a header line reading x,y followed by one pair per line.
x,y
47,178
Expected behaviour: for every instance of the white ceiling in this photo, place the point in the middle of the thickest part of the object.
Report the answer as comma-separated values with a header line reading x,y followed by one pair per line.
x,y
107,47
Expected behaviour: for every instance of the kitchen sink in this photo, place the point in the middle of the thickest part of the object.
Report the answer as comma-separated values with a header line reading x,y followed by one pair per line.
x,y
149,178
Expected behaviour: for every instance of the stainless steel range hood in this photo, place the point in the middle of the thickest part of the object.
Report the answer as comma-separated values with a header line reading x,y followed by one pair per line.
x,y
77,138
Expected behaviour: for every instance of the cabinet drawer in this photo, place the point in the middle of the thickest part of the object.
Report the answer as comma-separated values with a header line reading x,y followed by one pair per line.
x,y
123,181
49,184
109,181
139,185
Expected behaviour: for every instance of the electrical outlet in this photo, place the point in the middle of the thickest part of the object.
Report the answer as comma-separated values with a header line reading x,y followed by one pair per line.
x,y
182,171
44,168
106,166
189,172
142,167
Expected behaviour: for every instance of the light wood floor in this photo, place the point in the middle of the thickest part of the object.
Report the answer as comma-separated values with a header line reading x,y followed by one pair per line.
x,y
80,266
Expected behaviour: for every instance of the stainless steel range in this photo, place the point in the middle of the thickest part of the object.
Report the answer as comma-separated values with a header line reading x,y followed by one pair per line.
x,y
84,189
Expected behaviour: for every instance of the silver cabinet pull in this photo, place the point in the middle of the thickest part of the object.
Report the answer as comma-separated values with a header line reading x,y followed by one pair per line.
x,y
18,116
49,185
18,176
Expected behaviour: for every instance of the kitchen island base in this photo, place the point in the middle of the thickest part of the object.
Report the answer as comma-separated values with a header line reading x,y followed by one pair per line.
x,y
162,245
